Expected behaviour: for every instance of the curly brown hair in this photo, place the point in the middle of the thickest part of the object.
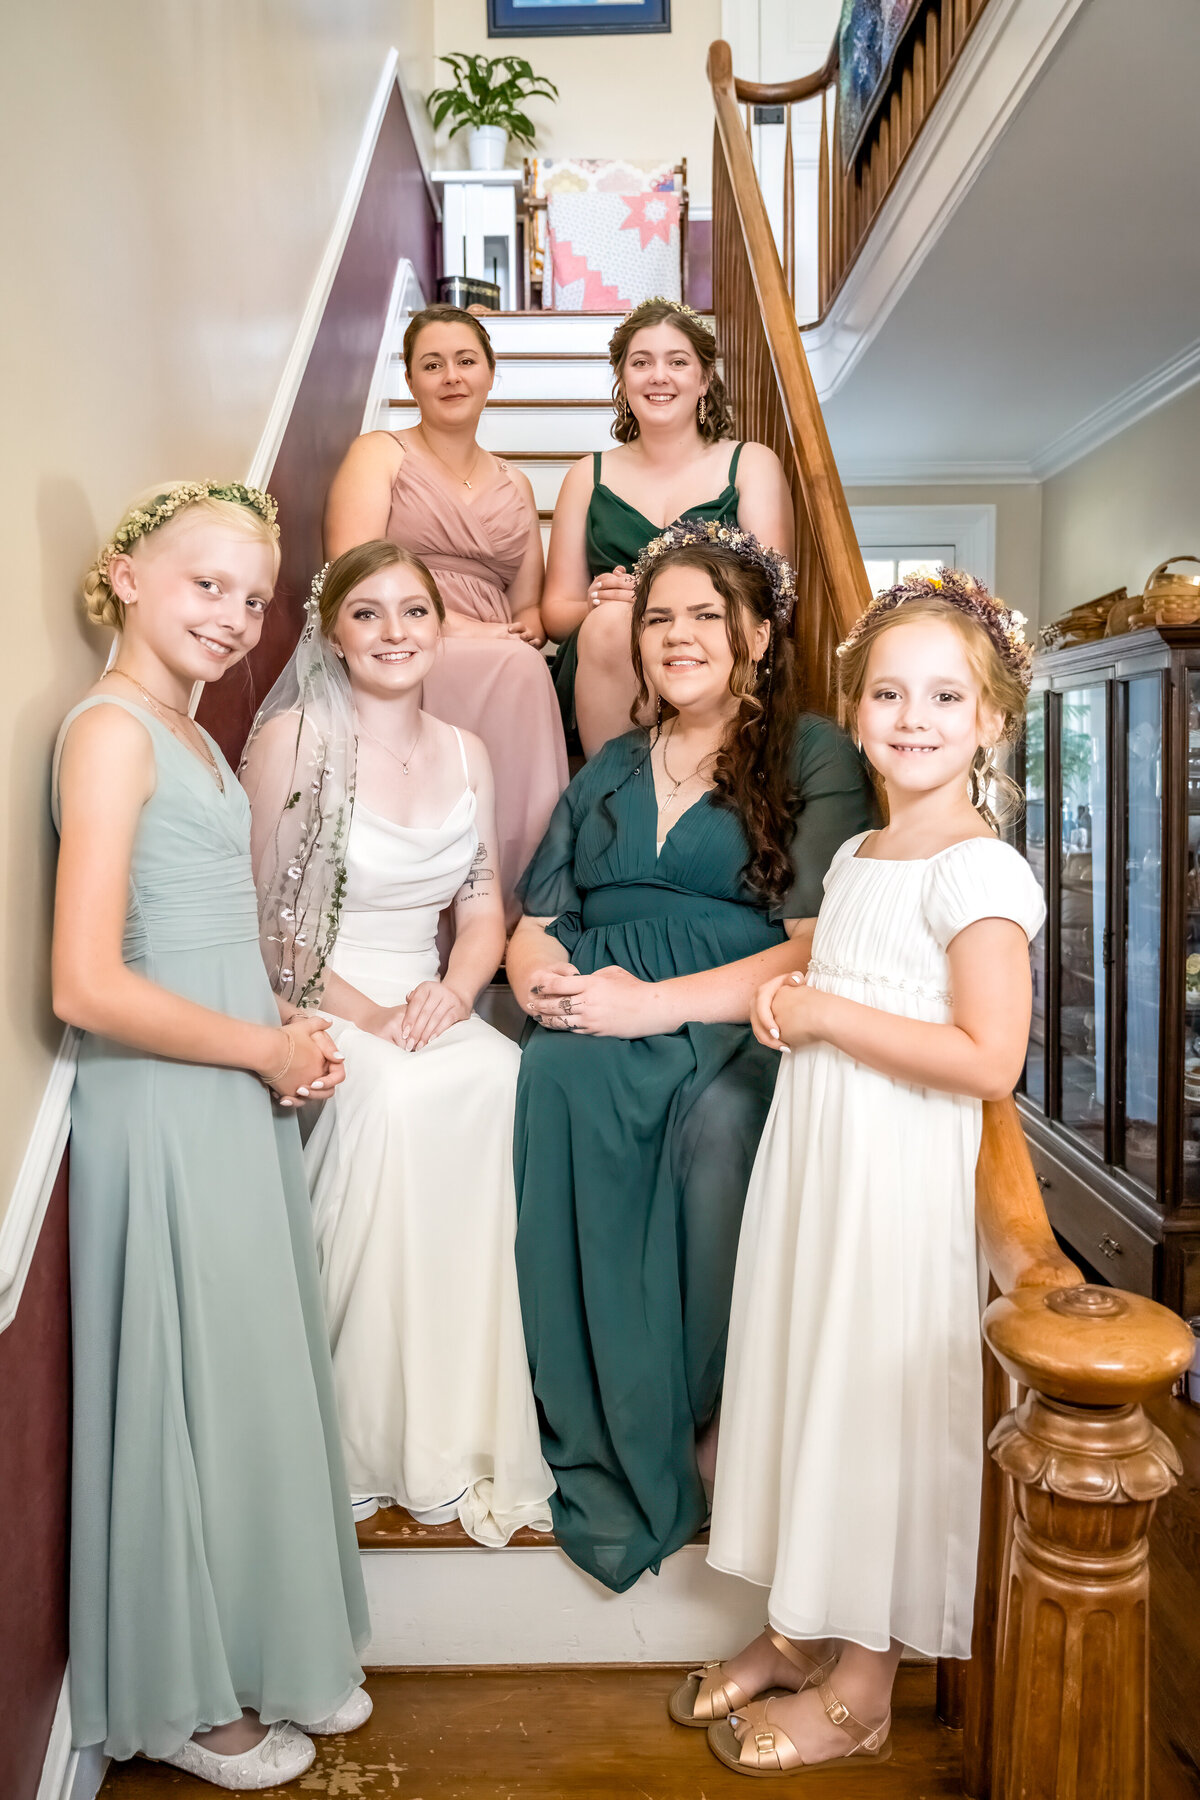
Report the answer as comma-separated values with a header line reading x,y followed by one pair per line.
x,y
718,420
753,770
445,315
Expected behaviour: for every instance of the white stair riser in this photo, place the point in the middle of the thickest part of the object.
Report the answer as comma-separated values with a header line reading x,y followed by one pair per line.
x,y
554,331
516,428
476,1607
531,381
546,478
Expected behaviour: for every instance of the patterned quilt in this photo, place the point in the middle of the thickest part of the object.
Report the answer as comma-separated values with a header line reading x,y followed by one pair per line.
x,y
867,39
612,235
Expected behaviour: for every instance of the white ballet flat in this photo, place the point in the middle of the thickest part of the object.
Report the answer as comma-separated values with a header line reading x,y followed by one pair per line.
x,y
363,1506
349,1716
438,1515
283,1755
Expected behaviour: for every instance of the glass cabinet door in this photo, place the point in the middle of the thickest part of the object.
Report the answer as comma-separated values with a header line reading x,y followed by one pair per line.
x,y
1083,911
1191,1048
1143,921
1035,853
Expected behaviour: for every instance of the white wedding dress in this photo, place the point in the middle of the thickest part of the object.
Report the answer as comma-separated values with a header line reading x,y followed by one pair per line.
x,y
851,1451
410,1167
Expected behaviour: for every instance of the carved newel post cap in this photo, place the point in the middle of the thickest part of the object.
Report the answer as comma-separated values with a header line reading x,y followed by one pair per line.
x,y
1093,1346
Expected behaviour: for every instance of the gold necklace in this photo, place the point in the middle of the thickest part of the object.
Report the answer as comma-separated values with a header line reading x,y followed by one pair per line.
x,y
161,708
402,760
465,479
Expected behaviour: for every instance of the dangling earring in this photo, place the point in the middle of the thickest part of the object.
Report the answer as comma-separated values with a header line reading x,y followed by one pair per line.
x,y
702,409
622,409
658,713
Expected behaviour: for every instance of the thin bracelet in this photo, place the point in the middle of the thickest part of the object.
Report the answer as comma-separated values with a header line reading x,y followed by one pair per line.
x,y
280,1073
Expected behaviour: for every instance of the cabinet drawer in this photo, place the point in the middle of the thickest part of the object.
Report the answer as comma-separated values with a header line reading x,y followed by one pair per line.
x,y
1121,1251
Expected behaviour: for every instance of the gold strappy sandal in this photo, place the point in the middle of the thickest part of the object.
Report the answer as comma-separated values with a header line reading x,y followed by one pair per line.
x,y
705,1695
765,1750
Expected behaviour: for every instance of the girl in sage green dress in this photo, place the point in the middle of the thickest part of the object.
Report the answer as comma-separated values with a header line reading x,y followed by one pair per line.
x,y
216,1597
676,869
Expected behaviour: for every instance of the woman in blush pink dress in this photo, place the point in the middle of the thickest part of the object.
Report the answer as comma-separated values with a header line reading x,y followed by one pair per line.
x,y
473,522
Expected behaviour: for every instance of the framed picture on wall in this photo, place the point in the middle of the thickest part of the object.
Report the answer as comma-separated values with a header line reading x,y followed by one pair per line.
x,y
575,18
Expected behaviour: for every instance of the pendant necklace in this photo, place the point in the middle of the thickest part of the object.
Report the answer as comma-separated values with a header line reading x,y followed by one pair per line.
x,y
408,755
683,780
160,708
465,479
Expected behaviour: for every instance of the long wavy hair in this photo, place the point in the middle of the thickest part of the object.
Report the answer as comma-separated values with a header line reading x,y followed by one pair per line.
x,y
753,770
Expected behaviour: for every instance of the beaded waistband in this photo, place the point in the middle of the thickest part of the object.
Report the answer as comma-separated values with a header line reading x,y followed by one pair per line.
x,y
839,972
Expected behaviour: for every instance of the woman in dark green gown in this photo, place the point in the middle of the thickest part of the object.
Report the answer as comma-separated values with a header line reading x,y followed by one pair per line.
x,y
675,449
642,1091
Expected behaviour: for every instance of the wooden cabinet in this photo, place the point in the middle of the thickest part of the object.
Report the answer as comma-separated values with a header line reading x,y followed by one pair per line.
x,y
1111,1091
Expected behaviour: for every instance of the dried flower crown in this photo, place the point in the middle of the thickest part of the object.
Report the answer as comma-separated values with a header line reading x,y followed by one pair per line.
x,y
742,544
679,306
143,519
1003,626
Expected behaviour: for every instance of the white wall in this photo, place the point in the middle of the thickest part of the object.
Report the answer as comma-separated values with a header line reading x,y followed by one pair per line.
x,y
645,96
1109,518
172,173
1018,530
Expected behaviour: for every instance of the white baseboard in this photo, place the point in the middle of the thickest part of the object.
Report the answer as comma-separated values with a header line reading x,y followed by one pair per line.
x,y
22,1223
69,1774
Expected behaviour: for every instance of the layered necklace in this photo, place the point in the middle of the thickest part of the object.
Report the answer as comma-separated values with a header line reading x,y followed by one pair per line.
x,y
164,711
465,479
387,749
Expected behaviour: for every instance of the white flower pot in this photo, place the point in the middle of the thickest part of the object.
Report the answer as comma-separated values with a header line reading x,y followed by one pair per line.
x,y
486,146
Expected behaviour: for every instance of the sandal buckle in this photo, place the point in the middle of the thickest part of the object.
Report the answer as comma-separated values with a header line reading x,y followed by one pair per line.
x,y
838,1713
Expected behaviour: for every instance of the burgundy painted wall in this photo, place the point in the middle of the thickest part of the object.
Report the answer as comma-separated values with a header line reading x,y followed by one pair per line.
x,y
699,288
35,1386
395,218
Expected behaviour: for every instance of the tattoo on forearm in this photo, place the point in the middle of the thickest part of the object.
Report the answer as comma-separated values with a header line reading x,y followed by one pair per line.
x,y
479,877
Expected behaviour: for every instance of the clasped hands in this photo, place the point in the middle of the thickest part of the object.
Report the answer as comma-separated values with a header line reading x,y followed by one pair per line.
x,y
786,1013
610,1003
314,1066
430,1009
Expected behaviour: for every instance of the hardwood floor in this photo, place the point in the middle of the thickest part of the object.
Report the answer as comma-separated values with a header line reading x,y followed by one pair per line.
x,y
595,1734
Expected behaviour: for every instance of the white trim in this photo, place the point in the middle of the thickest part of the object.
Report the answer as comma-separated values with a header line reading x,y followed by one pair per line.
x,y
22,1223
1003,57
406,297
310,322
899,472
1157,389
69,1774
971,529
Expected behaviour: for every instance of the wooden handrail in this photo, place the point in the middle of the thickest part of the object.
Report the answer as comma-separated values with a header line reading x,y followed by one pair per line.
x,y
786,93
1077,1468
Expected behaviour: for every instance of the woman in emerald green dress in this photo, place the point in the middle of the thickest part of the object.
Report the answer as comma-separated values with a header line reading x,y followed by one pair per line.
x,y
675,451
682,867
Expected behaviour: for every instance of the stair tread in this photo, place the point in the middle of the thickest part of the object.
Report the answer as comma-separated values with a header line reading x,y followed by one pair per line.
x,y
392,1528
534,403
599,1733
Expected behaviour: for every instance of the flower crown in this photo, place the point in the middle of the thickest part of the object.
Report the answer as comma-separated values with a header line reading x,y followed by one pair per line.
x,y
143,519
1004,627
678,306
743,544
312,606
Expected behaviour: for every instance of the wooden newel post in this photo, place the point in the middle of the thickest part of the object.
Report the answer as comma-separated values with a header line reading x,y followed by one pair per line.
x,y
1087,1468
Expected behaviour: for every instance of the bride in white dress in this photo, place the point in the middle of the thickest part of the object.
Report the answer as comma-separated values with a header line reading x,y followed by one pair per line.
x,y
370,817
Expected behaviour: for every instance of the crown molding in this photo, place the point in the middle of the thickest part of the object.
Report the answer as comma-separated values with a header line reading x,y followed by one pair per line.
x,y
1159,388
915,472
1003,57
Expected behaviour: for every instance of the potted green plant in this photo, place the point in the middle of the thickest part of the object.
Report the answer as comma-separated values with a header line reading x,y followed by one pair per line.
x,y
487,96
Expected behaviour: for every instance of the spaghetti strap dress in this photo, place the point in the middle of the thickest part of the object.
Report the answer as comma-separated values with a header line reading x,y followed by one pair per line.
x,y
499,688
615,534
633,1154
214,1564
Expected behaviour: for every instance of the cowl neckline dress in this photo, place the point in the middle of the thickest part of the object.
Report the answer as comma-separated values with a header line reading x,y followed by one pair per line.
x,y
615,533
213,1556
500,689
633,1154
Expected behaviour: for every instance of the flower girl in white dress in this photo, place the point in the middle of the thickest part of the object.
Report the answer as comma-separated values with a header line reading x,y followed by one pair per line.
x,y
849,1464
371,816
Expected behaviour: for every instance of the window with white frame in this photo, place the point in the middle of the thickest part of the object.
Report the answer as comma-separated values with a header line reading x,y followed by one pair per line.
x,y
889,563
902,540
